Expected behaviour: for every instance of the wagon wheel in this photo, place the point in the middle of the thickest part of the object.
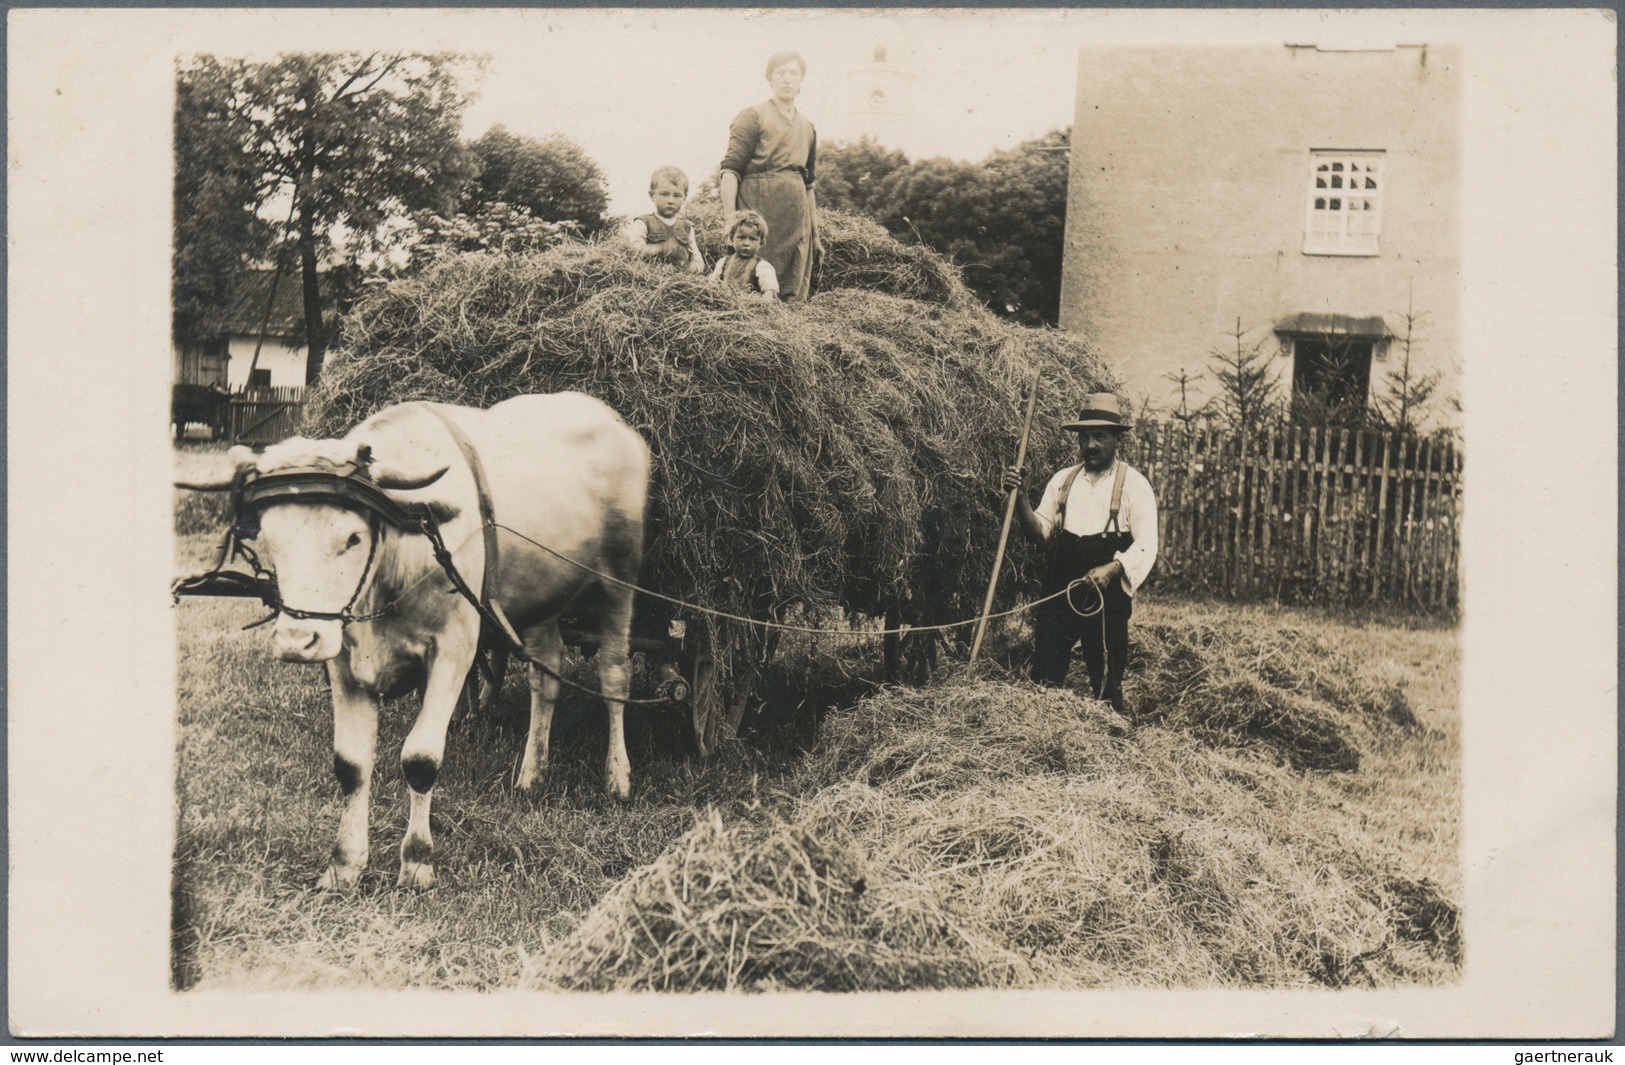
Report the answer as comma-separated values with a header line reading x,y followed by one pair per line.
x,y
919,657
718,695
707,705
909,657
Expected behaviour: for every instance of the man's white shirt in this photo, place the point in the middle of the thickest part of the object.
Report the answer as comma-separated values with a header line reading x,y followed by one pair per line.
x,y
1089,505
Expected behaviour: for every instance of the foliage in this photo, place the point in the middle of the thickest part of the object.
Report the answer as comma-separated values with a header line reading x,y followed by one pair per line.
x,y
1339,369
1402,406
1003,221
217,230
1182,381
341,142
850,176
1246,379
552,178
497,228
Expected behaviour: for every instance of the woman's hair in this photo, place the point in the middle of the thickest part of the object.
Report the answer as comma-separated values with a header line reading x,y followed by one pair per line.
x,y
671,174
778,59
745,220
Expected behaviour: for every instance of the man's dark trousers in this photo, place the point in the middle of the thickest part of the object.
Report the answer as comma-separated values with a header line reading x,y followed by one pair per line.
x,y
1102,636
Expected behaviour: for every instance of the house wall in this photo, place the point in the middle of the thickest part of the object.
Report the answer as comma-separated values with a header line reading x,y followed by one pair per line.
x,y
286,362
1187,203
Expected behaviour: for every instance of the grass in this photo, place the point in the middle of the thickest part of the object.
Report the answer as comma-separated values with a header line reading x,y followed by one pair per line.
x,y
974,833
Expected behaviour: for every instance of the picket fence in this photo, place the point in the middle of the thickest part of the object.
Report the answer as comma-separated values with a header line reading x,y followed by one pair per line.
x,y
1306,514
264,415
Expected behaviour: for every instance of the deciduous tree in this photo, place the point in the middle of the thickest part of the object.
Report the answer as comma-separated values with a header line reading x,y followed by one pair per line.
x,y
552,178
851,175
1002,220
340,143
217,231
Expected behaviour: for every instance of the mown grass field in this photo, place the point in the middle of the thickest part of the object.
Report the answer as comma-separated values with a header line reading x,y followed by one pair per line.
x,y
1285,812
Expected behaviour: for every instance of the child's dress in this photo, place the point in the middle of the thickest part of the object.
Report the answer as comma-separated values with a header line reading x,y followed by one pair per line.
x,y
754,274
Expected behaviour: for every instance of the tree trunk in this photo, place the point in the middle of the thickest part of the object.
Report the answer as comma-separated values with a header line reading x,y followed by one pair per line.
x,y
315,340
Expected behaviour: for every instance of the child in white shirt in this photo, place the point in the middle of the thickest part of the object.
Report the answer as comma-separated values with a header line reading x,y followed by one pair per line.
x,y
665,235
743,268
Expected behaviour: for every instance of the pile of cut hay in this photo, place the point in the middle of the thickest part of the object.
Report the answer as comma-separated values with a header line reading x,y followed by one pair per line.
x,y
859,254
1279,688
997,835
841,455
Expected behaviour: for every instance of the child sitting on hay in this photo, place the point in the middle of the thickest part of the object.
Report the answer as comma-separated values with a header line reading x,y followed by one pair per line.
x,y
743,268
664,235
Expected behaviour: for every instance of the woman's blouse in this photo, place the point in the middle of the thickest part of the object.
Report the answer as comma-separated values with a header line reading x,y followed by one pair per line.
x,y
760,141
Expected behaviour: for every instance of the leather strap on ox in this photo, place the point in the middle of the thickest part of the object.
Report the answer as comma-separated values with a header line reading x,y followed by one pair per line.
x,y
344,487
486,602
251,492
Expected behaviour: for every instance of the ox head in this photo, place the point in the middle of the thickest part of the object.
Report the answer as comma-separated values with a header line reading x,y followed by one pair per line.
x,y
321,546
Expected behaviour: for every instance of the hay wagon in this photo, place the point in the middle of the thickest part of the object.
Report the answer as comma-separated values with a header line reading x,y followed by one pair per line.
x,y
835,461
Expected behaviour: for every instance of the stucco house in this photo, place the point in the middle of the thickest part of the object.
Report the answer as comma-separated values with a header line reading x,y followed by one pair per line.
x,y
1309,193
228,358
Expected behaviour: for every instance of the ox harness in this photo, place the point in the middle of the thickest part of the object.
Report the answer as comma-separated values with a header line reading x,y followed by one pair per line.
x,y
350,486
252,491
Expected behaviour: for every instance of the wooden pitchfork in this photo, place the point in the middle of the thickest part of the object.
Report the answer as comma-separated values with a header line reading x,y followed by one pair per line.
x,y
1009,515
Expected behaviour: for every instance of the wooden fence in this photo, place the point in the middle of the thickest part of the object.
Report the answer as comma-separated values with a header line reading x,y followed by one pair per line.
x,y
264,415
1306,514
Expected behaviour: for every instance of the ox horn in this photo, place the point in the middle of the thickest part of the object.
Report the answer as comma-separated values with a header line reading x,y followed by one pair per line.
x,y
205,486
397,481
238,456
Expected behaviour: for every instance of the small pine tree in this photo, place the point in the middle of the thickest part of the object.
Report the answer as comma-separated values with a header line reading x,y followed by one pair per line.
x,y
1246,380
1402,407
1185,413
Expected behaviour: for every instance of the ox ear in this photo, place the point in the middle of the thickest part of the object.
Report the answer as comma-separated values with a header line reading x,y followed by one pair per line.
x,y
442,512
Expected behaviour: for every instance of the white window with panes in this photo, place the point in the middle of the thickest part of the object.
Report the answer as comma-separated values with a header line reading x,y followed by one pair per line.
x,y
1345,202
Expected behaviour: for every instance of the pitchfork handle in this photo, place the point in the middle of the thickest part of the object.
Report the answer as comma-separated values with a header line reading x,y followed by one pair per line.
x,y
1009,516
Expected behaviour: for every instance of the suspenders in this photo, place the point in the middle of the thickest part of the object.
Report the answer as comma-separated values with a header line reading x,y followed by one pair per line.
x,y
1066,489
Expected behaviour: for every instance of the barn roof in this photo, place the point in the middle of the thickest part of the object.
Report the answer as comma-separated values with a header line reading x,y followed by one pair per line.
x,y
245,310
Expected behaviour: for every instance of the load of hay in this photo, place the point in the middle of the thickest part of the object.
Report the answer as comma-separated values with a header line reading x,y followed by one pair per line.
x,y
981,834
838,456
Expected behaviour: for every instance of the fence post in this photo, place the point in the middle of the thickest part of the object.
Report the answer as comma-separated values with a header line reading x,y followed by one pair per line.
x,y
1360,528
1267,511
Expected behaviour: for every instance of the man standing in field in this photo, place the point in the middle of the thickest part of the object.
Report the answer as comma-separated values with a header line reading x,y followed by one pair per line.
x,y
1099,520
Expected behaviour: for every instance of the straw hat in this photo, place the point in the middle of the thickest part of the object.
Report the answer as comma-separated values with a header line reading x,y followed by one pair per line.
x,y
1101,410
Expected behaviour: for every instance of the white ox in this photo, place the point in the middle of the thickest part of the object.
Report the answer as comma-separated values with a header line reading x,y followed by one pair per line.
x,y
563,470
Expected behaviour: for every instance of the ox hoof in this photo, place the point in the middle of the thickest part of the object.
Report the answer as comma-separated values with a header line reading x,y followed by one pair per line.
x,y
340,878
619,790
419,876
529,783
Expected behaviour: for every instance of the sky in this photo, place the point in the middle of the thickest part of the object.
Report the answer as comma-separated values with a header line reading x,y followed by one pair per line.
x,y
640,90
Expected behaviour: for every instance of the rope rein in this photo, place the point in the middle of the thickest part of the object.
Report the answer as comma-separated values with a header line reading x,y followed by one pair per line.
x,y
805,629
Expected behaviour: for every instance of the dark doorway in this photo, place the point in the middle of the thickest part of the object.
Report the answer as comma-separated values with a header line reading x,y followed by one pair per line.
x,y
1334,370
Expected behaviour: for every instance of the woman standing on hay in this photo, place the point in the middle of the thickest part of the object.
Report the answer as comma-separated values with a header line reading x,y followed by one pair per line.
x,y
769,168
